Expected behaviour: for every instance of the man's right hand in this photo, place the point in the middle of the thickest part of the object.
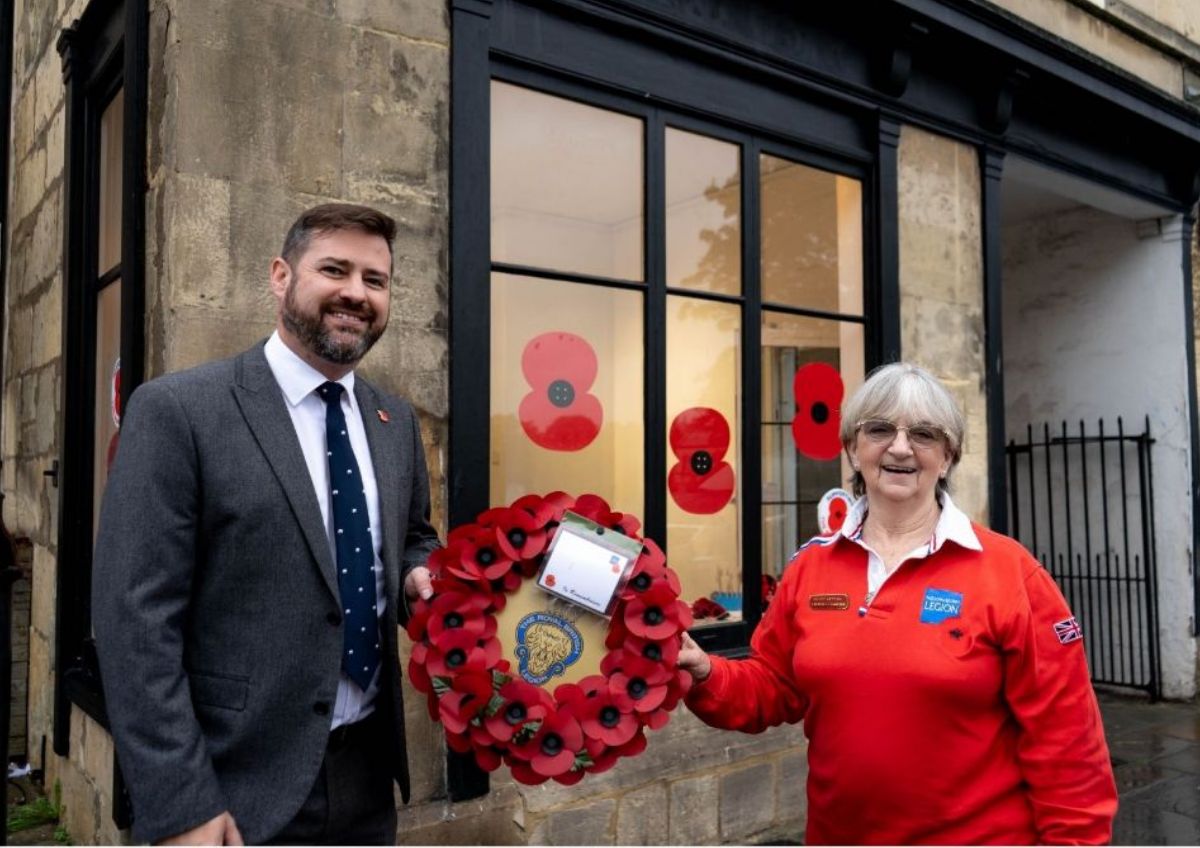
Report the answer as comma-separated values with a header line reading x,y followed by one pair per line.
x,y
219,831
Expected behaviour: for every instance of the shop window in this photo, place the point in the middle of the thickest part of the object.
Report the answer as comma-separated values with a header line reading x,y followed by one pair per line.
x,y
665,289
104,61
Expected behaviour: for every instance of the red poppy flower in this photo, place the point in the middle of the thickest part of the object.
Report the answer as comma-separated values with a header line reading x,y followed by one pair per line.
x,y
656,614
664,651
559,414
646,696
477,555
708,608
460,611
818,391
608,716
488,757
551,749
649,570
635,665
456,709
457,652
523,703
701,482
519,535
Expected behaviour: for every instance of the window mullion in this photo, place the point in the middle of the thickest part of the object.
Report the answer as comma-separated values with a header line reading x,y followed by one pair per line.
x,y
751,400
655,257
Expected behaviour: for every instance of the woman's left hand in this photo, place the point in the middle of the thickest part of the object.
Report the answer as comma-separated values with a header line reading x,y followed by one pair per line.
x,y
694,660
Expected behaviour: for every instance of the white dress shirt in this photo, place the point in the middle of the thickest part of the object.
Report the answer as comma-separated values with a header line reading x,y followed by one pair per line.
x,y
299,382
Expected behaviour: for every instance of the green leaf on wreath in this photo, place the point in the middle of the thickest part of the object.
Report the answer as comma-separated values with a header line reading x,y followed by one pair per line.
x,y
441,685
499,678
582,761
493,706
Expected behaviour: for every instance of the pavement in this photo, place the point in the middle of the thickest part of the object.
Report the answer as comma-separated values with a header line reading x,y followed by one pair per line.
x,y
1155,750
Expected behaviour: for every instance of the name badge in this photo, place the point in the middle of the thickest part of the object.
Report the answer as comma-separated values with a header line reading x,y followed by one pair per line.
x,y
829,602
939,605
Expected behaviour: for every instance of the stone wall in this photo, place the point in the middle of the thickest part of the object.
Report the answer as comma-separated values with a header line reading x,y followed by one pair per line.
x,y
941,288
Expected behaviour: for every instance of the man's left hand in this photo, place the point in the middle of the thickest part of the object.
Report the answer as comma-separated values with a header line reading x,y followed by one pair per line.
x,y
418,584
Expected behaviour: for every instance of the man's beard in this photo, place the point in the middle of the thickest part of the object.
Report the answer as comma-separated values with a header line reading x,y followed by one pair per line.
x,y
311,332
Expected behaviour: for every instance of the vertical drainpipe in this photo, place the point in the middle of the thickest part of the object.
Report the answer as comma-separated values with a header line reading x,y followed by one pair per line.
x,y
8,570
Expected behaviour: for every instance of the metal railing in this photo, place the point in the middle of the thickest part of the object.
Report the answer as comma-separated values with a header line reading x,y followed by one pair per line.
x,y
1083,503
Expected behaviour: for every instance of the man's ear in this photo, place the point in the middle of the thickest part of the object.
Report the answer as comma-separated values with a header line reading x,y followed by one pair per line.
x,y
281,277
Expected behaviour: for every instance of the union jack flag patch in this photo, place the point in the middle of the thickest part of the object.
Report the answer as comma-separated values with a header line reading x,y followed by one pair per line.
x,y
1068,630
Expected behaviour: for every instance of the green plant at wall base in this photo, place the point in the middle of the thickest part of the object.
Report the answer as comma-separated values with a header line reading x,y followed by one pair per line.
x,y
38,812
61,836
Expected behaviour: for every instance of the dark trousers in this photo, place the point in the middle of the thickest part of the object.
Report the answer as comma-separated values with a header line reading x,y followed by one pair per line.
x,y
352,801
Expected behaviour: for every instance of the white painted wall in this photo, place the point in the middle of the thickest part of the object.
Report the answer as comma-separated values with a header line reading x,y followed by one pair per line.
x,y
1094,327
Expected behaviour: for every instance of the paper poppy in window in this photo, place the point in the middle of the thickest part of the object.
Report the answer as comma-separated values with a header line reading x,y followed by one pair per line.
x,y
701,482
559,414
818,390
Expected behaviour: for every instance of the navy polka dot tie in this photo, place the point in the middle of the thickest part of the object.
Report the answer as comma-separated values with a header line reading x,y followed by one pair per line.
x,y
352,540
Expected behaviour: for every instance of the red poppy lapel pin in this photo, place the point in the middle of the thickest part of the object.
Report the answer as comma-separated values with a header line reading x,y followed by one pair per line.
x,y
383,416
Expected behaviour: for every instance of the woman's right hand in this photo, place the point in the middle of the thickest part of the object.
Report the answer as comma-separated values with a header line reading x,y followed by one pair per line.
x,y
693,660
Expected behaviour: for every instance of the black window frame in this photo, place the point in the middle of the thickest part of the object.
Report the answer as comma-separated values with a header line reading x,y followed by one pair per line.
x,y
104,51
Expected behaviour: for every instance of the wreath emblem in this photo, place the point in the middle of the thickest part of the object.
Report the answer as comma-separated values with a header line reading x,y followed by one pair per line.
x,y
504,715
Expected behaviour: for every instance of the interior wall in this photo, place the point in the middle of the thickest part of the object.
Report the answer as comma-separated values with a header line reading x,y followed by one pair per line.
x,y
1093,328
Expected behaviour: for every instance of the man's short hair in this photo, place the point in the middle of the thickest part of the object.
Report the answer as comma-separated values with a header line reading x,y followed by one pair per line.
x,y
330,217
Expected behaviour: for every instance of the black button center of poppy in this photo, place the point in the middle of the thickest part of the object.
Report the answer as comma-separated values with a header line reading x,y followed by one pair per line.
x,y
515,714
702,462
610,716
820,412
453,620
456,658
642,582
516,536
636,688
652,652
653,616
561,393
551,744
486,556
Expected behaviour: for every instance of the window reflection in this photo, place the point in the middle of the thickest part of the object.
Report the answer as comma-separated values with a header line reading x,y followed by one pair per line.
x,y
811,237
107,408
793,479
111,153
566,391
704,221
703,504
566,185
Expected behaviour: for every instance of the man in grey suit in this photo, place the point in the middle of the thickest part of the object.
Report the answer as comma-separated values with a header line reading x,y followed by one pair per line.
x,y
263,515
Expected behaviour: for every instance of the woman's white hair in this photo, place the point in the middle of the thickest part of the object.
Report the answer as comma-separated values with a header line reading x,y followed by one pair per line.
x,y
904,391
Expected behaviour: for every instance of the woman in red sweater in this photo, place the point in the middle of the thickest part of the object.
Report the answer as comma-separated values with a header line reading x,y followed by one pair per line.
x,y
939,673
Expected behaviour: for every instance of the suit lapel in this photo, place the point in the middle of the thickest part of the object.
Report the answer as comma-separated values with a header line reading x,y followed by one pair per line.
x,y
266,413
382,438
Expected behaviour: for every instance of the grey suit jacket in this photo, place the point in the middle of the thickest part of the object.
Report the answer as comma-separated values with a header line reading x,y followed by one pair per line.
x,y
215,598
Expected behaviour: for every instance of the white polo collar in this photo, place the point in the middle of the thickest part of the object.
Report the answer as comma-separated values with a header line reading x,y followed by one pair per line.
x,y
952,526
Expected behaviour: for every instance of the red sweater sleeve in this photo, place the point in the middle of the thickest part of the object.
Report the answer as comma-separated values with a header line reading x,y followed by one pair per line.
x,y
1061,749
758,692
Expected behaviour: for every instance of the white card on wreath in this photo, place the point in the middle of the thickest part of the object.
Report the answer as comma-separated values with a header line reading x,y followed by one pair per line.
x,y
588,565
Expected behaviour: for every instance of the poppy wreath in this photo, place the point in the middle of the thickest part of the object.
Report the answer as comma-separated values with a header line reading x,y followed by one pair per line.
x,y
491,712
559,413
818,390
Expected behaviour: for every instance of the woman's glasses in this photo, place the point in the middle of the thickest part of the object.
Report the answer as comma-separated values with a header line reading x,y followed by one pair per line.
x,y
883,432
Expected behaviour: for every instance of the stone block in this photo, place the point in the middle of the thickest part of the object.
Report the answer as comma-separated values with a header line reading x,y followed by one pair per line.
x,y
588,824
426,743
198,245
29,183
385,140
490,820
642,816
96,754
46,424
792,802
49,91
747,801
415,19
47,342
79,804
20,354
693,816
42,596
685,747
194,336
256,110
